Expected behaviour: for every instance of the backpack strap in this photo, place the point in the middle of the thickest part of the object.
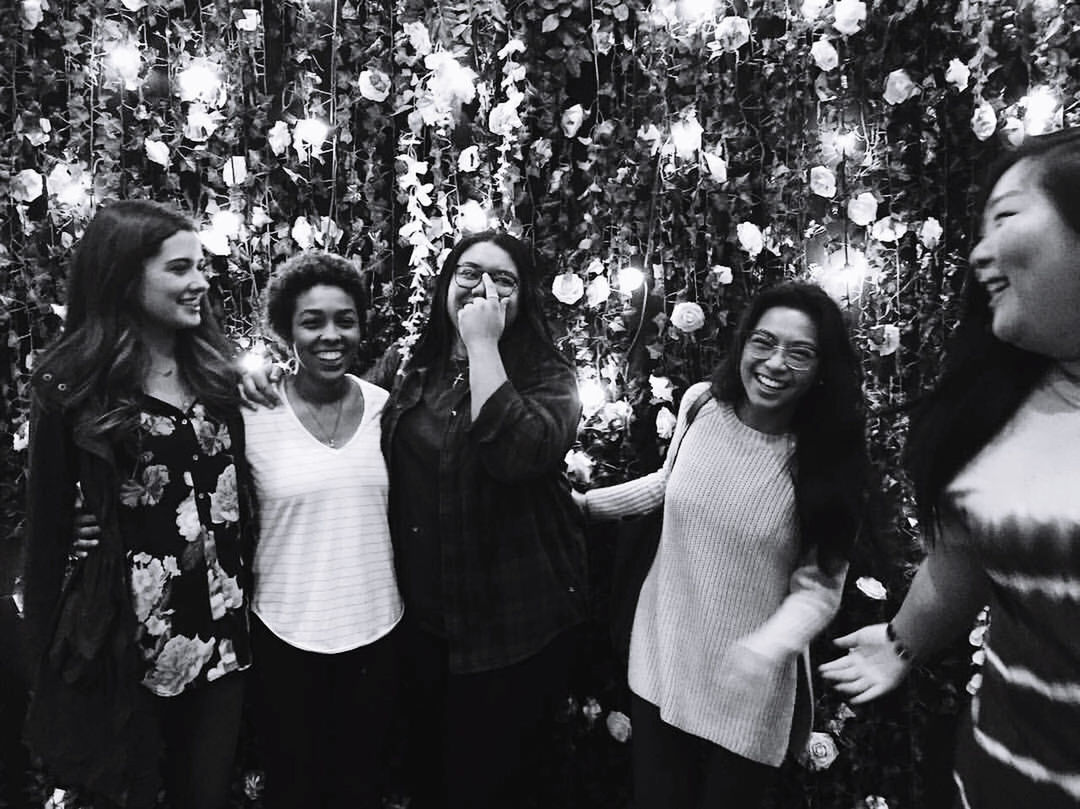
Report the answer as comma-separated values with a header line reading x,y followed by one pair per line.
x,y
691,414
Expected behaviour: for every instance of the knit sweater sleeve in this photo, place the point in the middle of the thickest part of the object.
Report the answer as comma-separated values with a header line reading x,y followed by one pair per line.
x,y
644,494
812,602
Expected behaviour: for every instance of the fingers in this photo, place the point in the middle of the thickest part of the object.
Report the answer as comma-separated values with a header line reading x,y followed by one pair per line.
x,y
848,641
489,288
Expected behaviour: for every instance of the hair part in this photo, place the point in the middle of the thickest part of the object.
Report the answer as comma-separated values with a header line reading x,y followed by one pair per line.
x,y
831,467
101,354
985,380
299,274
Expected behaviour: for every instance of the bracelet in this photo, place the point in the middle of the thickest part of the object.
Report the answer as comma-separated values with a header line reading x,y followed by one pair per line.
x,y
903,652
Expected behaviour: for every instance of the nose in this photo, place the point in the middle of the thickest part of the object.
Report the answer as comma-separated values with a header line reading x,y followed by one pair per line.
x,y
979,258
776,359
198,280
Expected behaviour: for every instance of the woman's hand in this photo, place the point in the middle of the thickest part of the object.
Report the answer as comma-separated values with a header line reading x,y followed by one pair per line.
x,y
869,669
257,385
87,534
481,321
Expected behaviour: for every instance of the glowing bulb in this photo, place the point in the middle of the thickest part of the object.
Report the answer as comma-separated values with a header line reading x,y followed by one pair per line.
x,y
200,81
227,222
630,279
1041,111
254,360
592,395
844,274
126,60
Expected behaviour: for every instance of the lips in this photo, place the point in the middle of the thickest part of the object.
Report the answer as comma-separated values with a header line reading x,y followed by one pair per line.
x,y
769,384
994,287
330,356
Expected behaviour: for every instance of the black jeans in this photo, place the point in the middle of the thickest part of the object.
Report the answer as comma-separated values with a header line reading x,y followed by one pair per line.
x,y
323,721
475,739
677,770
199,729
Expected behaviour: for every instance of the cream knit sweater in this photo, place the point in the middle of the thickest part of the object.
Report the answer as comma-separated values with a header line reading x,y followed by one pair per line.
x,y
728,606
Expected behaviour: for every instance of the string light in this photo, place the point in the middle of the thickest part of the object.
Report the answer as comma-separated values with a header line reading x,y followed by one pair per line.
x,y
592,394
1042,111
200,81
629,280
125,61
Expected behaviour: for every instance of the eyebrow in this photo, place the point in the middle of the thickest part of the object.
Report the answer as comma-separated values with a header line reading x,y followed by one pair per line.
x,y
1012,192
469,265
799,343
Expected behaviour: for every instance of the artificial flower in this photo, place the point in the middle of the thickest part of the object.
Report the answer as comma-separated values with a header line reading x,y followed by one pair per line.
x,y
571,120
721,274
811,9
618,725
886,340
848,15
820,751
823,182
888,229
374,85
234,172
27,186
958,74
201,122
687,317
419,37
249,21
750,237
665,424
686,135
503,120
579,466
825,55
660,388
983,120
598,291
899,87
31,14
871,588
279,137
469,159
716,165
471,217
930,233
732,33
568,287
156,152
862,210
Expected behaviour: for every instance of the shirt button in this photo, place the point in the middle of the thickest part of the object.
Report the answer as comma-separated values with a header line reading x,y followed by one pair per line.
x,y
194,457
47,377
202,495
453,412
414,530
62,386
183,421
571,589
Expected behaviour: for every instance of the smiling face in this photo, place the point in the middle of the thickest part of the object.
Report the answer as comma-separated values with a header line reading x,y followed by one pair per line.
x,y
483,257
772,388
173,286
1028,259
325,333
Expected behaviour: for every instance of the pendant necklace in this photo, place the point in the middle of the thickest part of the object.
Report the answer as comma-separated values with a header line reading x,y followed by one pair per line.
x,y
328,438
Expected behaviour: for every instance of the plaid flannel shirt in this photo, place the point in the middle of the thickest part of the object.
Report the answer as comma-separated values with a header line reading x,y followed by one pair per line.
x,y
513,550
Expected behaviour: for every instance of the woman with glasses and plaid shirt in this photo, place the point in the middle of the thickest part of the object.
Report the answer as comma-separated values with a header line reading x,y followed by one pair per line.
x,y
760,512
488,545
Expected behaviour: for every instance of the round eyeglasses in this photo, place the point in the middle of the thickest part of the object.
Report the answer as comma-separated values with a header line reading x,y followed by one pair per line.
x,y
467,277
762,346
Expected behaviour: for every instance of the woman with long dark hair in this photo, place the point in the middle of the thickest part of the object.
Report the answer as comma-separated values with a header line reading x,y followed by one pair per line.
x,y
137,647
994,455
760,510
488,548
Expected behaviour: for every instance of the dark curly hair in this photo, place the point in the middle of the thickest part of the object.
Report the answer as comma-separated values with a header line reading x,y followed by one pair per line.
x,y
832,466
300,273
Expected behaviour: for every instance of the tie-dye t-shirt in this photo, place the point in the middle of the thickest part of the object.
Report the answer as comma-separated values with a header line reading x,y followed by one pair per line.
x,y
1020,502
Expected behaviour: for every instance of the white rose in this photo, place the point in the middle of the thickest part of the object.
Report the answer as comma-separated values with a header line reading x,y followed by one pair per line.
x,y
750,238
732,33
687,317
503,120
598,291
618,725
721,274
660,388
871,587
156,152
823,182
888,229
571,120
899,87
216,242
303,234
930,233
848,15
201,123
469,159
825,55
665,424
716,165
31,14
811,9
984,120
958,74
471,217
579,466
279,138
820,751
27,186
568,287
249,22
374,85
21,439
862,210
889,342
686,136
419,37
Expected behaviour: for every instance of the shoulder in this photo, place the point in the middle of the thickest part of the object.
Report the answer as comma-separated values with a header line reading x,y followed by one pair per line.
x,y
697,395
373,394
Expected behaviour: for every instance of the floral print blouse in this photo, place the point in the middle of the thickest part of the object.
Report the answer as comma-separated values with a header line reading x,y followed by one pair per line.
x,y
180,518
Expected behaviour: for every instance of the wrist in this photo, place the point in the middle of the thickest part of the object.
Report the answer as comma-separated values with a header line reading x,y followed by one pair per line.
x,y
900,648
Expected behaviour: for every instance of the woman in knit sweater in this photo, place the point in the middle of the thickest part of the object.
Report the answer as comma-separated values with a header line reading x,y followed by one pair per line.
x,y
760,512
995,458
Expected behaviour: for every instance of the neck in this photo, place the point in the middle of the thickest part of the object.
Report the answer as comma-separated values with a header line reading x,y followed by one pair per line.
x,y
772,423
320,391
162,349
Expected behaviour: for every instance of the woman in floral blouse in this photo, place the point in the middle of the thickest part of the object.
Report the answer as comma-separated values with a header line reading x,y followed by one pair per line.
x,y
136,650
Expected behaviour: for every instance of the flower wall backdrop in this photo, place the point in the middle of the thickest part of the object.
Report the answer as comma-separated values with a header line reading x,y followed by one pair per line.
x,y
667,159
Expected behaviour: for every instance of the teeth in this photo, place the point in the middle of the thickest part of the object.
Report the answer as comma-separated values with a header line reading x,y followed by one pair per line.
x,y
330,355
766,382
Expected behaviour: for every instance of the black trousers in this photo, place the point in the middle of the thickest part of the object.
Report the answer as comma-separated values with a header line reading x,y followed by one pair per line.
x,y
475,740
677,770
323,721
199,730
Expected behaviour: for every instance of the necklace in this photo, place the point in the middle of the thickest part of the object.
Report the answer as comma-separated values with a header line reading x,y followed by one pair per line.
x,y
461,368
327,437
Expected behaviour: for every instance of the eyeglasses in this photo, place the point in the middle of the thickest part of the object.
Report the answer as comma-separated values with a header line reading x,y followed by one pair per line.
x,y
762,346
467,277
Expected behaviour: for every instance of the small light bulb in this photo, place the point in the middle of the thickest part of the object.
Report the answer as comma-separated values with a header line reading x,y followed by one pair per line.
x,y
630,279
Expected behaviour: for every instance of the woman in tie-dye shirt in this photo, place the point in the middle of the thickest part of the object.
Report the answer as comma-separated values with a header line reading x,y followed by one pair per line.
x,y
995,458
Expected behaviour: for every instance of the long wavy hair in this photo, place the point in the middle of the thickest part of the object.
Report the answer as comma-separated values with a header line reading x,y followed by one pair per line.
x,y
985,380
101,355
528,332
831,470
